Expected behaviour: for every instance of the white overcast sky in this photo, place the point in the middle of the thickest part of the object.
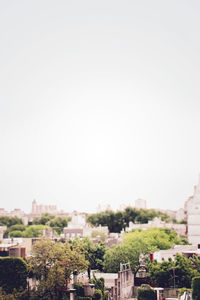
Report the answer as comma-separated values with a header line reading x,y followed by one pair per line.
x,y
99,102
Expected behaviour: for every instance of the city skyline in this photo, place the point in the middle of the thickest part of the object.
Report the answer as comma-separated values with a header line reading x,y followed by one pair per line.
x,y
99,103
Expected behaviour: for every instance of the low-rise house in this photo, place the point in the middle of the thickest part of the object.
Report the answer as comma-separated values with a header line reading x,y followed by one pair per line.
x,y
12,249
186,250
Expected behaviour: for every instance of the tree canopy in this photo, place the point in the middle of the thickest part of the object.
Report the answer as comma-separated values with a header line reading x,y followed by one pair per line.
x,y
27,232
10,221
57,223
137,246
116,221
13,274
94,253
52,264
171,273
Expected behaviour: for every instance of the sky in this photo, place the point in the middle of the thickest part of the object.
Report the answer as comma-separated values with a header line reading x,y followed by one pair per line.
x,y
99,103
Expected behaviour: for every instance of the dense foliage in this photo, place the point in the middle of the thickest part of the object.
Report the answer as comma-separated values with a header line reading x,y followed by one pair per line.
x,y
99,284
138,245
15,295
10,221
178,273
33,229
94,253
13,274
52,264
145,292
26,231
116,221
196,288
57,223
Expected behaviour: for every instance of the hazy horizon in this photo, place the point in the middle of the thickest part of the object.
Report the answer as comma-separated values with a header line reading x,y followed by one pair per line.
x,y
99,103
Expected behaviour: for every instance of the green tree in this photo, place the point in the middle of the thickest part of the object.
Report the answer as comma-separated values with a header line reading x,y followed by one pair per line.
x,y
9,221
169,273
16,233
98,295
161,274
196,288
13,274
114,256
116,221
57,223
94,253
184,271
43,220
34,231
145,292
136,247
52,264
19,227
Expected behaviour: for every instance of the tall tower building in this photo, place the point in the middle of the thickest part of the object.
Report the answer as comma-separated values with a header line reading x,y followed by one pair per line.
x,y
34,207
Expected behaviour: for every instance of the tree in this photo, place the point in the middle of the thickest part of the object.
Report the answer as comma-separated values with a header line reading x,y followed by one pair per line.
x,y
169,273
52,264
94,253
16,233
9,221
99,284
19,227
184,271
34,231
116,221
97,295
161,274
114,256
57,223
136,247
26,231
13,274
145,292
195,288
43,220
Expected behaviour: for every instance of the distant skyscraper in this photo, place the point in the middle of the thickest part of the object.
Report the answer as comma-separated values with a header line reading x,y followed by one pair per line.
x,y
140,203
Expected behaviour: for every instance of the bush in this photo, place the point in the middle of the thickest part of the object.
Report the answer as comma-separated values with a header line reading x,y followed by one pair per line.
x,y
16,295
83,298
13,274
79,289
182,290
99,284
98,295
145,292
196,288
16,233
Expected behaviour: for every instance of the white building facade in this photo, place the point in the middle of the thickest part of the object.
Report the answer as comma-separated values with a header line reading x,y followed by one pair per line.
x,y
192,208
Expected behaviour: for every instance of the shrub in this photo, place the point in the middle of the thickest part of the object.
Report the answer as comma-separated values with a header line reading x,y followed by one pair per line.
x,y
98,295
83,298
79,289
99,284
145,292
196,288
13,274
182,290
